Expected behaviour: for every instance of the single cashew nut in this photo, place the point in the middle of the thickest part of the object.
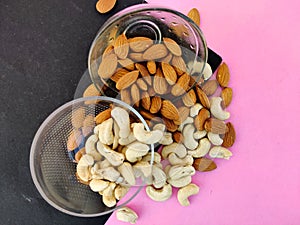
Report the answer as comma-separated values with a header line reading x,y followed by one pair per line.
x,y
188,120
178,171
188,139
106,135
220,152
159,177
114,158
98,185
109,173
194,110
156,157
202,149
109,191
135,151
116,135
103,164
146,137
143,167
178,149
160,126
159,195
175,160
126,214
127,172
215,139
185,192
126,141
167,139
183,181
217,110
83,167
120,191
121,117
109,201
90,147
200,134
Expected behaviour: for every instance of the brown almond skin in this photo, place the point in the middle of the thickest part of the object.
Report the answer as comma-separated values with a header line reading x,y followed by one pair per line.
x,y
169,73
121,46
169,111
226,95
200,119
223,75
74,140
135,95
140,44
189,99
104,115
125,96
78,116
108,66
118,74
172,46
104,6
210,87
194,15
144,72
204,164
179,65
160,84
170,125
215,126
181,86
184,112
155,104
150,116
229,137
202,97
155,52
127,80
177,137
151,66
127,64
146,101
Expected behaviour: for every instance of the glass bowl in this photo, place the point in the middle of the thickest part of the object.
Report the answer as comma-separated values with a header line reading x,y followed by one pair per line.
x,y
52,165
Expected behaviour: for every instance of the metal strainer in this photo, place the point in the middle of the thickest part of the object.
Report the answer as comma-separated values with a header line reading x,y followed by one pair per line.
x,y
52,170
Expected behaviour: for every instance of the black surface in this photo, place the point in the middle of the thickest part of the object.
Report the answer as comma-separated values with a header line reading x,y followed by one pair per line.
x,y
43,55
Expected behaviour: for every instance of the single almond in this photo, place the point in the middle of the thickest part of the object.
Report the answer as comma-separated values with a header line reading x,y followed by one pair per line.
x,y
127,64
223,75
121,46
215,126
150,116
183,113
108,66
125,96
102,116
177,136
204,164
107,51
170,125
226,96
168,58
104,6
169,111
89,121
78,116
169,73
181,86
151,66
200,119
142,84
91,90
179,65
156,51
229,137
172,46
189,99
194,15
146,100
127,80
135,95
144,72
155,104
160,84
210,87
202,97
140,44
118,74
136,57
74,140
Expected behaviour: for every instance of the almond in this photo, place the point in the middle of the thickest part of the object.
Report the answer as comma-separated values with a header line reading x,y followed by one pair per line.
x,y
91,90
151,66
127,80
136,57
142,84
127,64
74,140
151,91
108,50
172,46
121,46
200,119
169,73
189,99
223,75
140,44
179,65
184,113
145,100
170,125
226,96
181,86
155,104
215,126
177,137
104,6
144,72
150,116
169,111
118,74
79,154
202,97
229,137
168,58
125,96
135,95
102,116
156,51
78,116
210,87
160,84
108,66
194,15
204,164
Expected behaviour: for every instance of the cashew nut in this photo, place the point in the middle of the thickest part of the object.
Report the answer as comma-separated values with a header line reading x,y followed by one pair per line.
x,y
115,158
160,127
108,173
167,139
217,110
135,151
90,147
215,139
126,214
148,157
106,135
194,110
143,167
202,149
183,181
199,134
109,201
159,195
159,177
188,139
116,135
147,137
103,164
196,67
187,121
220,152
177,148
127,172
121,117
120,191
178,171
185,192
175,160
98,185
126,141
83,167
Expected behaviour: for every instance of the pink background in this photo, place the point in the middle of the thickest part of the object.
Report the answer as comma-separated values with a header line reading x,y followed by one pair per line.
x,y
260,184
